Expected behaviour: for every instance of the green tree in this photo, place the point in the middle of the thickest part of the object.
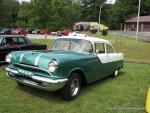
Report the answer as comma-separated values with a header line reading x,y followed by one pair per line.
x,y
90,9
53,14
40,13
8,12
23,15
125,9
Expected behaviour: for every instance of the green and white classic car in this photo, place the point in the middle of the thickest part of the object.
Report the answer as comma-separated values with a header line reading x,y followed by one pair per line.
x,y
72,62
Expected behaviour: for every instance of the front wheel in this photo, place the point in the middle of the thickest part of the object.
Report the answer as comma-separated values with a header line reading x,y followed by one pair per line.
x,y
72,89
20,84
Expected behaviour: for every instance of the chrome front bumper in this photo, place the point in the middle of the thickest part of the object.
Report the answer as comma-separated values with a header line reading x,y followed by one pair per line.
x,y
36,81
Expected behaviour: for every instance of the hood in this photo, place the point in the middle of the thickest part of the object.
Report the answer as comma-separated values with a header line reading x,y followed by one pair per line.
x,y
42,58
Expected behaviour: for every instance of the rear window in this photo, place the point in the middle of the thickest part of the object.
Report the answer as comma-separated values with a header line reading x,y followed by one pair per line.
x,y
109,49
21,40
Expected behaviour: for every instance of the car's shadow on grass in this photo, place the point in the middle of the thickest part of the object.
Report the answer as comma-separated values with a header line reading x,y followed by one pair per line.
x,y
47,95
2,65
55,96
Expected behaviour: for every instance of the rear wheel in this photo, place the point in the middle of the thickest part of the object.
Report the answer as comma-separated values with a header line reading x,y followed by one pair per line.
x,y
115,73
104,32
72,88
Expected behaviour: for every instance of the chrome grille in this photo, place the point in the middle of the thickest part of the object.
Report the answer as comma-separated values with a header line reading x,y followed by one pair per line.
x,y
31,68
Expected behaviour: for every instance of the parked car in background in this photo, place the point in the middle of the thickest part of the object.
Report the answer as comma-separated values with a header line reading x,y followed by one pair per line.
x,y
45,31
55,34
78,33
19,31
81,26
29,30
72,62
5,31
42,31
9,43
35,31
95,26
64,32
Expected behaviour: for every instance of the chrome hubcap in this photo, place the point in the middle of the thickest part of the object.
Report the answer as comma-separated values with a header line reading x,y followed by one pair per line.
x,y
75,87
116,72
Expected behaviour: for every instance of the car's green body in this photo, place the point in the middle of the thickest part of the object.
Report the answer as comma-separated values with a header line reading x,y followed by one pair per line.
x,y
88,65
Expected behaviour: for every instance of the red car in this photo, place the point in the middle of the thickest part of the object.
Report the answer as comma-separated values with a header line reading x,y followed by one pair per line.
x,y
64,32
45,31
19,31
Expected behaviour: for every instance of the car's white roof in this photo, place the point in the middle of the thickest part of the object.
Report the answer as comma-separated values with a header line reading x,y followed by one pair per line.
x,y
91,39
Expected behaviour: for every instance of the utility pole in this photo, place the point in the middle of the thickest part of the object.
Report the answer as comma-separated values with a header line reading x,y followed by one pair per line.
x,y
99,20
100,11
137,30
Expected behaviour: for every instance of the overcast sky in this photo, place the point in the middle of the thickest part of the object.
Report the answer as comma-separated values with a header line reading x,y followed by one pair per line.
x,y
112,1
23,0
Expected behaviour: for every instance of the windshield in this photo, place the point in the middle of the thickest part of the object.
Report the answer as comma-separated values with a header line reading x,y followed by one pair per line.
x,y
1,40
78,45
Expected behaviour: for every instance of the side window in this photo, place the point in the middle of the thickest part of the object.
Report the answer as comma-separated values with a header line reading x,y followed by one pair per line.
x,y
21,40
10,41
15,40
109,49
99,48
4,42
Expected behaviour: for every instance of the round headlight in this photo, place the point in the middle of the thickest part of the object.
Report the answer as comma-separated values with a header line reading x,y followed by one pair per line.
x,y
8,58
52,66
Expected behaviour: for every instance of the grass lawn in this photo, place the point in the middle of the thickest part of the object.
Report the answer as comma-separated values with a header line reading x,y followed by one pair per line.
x,y
124,94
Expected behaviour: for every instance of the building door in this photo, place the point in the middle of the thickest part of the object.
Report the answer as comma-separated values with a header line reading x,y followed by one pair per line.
x,y
142,27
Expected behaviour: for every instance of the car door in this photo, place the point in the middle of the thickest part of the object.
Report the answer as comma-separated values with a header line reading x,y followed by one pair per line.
x,y
10,44
27,45
33,46
102,67
113,58
23,44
